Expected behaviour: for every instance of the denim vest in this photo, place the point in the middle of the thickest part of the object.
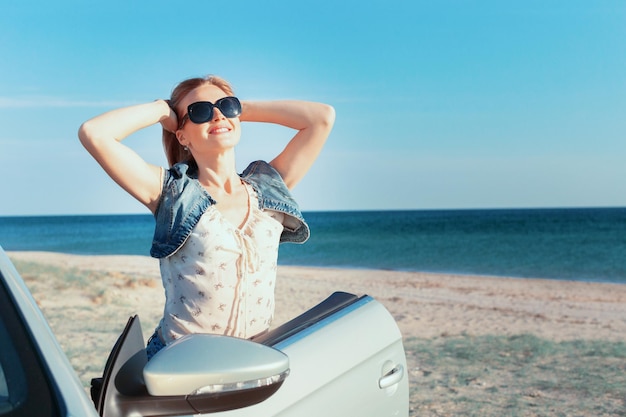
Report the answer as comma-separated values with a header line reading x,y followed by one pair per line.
x,y
184,200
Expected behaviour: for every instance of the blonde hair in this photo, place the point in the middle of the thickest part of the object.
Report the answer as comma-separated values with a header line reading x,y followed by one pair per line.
x,y
174,151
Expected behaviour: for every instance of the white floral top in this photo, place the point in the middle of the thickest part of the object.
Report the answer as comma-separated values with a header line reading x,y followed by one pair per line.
x,y
222,279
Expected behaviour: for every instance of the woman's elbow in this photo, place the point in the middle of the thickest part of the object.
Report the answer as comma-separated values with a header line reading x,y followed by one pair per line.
x,y
83,133
87,134
326,117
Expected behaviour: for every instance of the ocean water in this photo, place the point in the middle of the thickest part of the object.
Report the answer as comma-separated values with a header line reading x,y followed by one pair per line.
x,y
568,244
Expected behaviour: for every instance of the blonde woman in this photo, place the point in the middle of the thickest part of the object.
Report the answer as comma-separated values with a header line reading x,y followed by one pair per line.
x,y
217,231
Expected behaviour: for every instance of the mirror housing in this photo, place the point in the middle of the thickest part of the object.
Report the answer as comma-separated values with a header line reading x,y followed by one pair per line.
x,y
198,364
122,389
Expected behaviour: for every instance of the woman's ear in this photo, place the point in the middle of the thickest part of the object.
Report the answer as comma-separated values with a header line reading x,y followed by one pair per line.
x,y
181,139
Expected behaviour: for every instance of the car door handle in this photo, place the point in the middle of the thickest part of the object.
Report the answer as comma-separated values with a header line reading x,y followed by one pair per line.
x,y
392,377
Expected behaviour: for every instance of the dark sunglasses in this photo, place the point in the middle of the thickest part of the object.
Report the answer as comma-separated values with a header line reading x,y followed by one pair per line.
x,y
202,111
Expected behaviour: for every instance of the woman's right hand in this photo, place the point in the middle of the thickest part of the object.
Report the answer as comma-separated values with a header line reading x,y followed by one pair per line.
x,y
169,122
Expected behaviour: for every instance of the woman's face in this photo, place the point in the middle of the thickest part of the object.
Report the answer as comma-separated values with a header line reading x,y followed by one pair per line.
x,y
218,134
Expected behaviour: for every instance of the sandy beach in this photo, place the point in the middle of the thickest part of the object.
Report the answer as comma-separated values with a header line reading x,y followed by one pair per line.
x,y
424,305
89,306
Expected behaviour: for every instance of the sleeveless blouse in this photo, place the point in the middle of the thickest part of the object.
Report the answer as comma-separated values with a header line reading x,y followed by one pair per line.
x,y
221,280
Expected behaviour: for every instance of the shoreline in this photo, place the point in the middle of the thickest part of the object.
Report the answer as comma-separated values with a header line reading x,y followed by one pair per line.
x,y
48,255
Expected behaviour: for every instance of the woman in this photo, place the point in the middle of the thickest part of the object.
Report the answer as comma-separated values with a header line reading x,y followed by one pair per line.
x,y
217,231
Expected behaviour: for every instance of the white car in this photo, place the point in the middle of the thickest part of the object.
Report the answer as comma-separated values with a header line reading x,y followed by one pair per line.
x,y
344,357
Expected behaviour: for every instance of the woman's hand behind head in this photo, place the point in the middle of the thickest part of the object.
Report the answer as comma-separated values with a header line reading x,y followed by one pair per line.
x,y
170,122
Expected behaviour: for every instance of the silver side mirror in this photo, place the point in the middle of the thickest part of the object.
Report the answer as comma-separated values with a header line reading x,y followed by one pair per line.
x,y
208,364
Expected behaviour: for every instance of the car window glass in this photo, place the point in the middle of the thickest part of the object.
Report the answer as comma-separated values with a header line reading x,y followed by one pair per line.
x,y
10,370
27,389
4,391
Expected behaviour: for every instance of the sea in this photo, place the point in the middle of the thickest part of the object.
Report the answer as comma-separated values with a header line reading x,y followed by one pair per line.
x,y
576,244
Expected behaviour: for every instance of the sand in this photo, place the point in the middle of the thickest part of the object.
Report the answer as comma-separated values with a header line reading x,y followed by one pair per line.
x,y
88,308
424,304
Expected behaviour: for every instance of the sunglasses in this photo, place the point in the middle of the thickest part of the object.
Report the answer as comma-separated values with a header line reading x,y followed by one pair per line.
x,y
202,111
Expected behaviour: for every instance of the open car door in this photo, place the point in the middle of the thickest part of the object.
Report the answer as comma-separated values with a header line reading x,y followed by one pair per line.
x,y
343,357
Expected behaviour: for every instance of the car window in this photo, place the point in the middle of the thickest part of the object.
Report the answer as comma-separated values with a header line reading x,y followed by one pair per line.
x,y
4,393
25,388
13,394
4,390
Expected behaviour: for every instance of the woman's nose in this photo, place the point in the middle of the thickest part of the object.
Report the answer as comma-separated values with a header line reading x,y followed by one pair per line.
x,y
217,114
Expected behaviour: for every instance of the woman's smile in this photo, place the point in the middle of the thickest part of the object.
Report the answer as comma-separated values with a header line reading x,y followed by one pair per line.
x,y
219,129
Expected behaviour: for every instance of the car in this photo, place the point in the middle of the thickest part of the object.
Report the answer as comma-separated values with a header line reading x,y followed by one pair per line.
x,y
343,357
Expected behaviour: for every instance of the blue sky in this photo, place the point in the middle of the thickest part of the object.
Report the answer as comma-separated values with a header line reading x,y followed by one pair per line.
x,y
440,104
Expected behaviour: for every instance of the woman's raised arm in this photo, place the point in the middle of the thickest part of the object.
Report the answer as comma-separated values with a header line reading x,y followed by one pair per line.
x,y
102,136
313,121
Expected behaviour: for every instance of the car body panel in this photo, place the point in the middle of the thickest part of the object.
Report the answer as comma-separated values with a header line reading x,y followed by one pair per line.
x,y
359,343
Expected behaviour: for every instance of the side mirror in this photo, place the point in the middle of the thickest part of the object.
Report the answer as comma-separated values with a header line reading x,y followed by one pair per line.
x,y
201,364
196,374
